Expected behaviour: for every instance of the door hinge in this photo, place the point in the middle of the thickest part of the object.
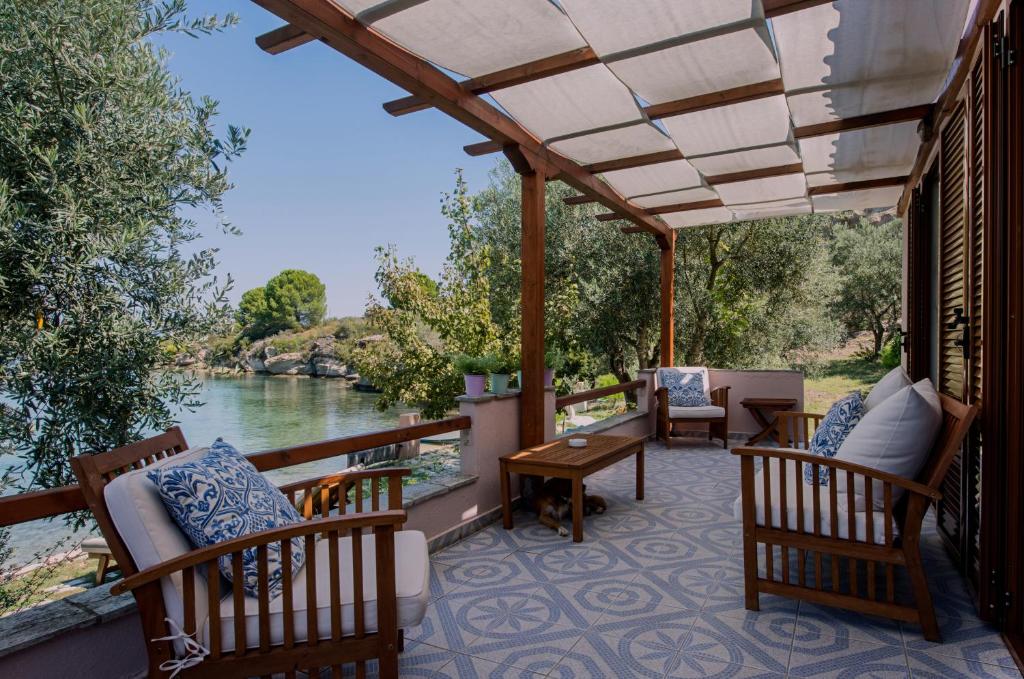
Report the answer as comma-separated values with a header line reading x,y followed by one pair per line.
x,y
964,341
1002,52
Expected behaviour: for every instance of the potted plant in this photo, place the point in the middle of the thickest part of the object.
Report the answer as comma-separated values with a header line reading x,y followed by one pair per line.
x,y
474,370
553,360
501,371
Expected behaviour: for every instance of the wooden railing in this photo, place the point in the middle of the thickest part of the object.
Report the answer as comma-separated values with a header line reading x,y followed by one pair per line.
x,y
594,394
41,504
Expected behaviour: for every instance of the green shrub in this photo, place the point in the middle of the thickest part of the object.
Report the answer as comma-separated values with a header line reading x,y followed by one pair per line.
x,y
554,359
474,365
608,380
891,355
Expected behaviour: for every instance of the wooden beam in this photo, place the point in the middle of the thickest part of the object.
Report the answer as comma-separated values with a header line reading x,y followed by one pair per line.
x,y
531,397
508,77
337,28
631,229
733,95
774,8
900,115
682,207
635,161
856,186
482,148
667,275
283,39
607,217
984,13
759,173
578,200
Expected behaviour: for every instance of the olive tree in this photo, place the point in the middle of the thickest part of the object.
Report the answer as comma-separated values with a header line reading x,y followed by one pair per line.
x,y
105,164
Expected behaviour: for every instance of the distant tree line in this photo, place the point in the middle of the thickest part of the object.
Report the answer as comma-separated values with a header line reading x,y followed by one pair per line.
x,y
764,293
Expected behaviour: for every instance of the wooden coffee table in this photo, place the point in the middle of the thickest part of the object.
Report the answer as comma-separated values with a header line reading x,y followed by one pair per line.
x,y
758,407
557,459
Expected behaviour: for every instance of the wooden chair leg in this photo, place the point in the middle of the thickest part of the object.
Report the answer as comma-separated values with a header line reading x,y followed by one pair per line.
x,y
388,664
922,597
101,568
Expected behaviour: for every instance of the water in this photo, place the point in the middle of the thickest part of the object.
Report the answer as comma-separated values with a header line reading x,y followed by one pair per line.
x,y
253,413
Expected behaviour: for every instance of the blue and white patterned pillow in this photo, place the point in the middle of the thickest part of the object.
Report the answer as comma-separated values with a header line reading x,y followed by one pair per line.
x,y
685,389
840,420
219,496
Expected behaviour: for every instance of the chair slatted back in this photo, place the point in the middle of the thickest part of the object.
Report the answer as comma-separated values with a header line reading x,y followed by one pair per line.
x,y
96,470
956,423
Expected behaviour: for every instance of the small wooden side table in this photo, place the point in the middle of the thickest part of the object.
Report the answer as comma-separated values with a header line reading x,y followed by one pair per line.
x,y
762,409
557,459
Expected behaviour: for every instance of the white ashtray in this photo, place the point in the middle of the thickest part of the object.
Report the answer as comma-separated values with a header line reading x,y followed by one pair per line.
x,y
577,443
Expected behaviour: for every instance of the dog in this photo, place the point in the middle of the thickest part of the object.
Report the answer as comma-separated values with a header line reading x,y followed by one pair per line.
x,y
552,504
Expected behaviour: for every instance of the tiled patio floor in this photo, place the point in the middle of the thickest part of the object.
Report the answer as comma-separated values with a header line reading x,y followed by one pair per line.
x,y
656,590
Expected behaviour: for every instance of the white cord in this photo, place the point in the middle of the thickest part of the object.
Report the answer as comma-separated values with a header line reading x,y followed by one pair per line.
x,y
195,651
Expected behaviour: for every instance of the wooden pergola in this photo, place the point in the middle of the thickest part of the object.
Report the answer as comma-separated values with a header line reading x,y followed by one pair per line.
x,y
537,158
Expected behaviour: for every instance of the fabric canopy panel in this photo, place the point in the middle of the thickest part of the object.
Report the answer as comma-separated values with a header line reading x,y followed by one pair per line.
x,y
674,197
714,215
857,200
354,7
741,57
750,159
585,99
757,123
623,142
777,208
761,190
614,26
675,174
871,153
854,57
482,36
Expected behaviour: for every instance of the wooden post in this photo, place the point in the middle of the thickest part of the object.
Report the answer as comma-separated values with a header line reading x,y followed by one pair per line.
x,y
531,399
668,258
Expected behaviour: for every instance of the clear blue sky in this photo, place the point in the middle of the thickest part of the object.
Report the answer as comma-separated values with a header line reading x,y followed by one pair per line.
x,y
328,175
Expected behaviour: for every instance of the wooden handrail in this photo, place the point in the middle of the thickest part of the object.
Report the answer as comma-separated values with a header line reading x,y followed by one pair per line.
x,y
43,504
594,394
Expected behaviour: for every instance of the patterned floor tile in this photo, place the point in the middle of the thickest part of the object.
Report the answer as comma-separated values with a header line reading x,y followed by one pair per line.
x,y
967,639
845,657
534,651
469,667
648,623
926,666
597,655
694,667
440,628
824,621
763,643
571,607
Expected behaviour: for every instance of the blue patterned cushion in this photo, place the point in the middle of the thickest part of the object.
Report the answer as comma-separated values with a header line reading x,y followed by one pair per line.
x,y
840,420
219,496
685,389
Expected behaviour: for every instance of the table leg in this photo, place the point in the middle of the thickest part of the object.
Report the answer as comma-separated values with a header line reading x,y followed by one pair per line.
x,y
640,473
506,499
577,509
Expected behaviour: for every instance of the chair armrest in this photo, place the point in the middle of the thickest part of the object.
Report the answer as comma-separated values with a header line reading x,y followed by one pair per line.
x,y
795,428
839,465
720,397
347,479
340,524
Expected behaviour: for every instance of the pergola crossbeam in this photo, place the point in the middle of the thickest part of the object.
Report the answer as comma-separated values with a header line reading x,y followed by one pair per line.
x,y
843,187
635,161
733,95
337,28
759,173
861,122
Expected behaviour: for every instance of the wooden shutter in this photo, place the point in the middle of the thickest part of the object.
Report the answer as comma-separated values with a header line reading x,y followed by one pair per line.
x,y
975,266
952,288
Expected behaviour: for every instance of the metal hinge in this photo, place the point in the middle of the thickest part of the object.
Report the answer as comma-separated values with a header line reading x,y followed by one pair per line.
x,y
1001,51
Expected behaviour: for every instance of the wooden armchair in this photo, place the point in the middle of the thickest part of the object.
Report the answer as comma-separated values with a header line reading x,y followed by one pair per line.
x,y
354,570
716,415
825,527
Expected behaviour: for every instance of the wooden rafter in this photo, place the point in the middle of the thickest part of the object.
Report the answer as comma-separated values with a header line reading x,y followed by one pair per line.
x,y
482,148
283,39
856,186
516,75
578,200
733,95
900,115
774,8
338,29
759,173
683,207
635,161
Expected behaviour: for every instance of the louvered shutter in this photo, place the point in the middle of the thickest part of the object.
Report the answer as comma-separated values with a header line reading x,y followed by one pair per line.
x,y
952,289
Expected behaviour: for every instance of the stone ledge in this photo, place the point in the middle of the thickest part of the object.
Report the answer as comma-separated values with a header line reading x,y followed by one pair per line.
x,y
606,424
39,624
422,491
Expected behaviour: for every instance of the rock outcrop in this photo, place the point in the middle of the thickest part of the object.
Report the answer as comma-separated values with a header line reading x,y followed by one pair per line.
x,y
294,363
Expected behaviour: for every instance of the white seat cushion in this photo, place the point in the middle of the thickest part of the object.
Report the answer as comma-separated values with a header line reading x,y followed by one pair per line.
x,y
150,534
796,484
412,582
696,412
